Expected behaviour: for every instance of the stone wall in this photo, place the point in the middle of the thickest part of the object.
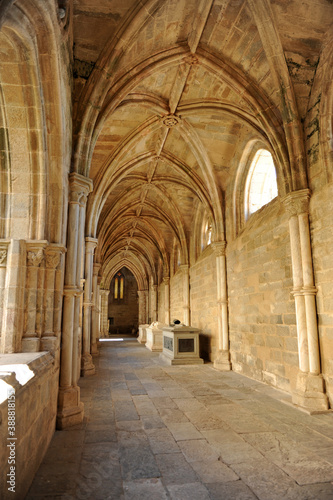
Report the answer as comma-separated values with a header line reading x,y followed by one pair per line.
x,y
35,416
176,296
322,243
263,337
204,302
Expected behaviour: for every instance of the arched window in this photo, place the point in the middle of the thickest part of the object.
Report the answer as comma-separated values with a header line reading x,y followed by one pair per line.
x,y
261,185
118,292
207,233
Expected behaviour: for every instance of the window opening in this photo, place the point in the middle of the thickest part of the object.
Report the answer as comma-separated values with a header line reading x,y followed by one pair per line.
x,y
261,185
119,287
207,233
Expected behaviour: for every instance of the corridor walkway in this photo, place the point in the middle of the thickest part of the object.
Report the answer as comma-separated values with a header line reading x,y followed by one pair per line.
x,y
155,432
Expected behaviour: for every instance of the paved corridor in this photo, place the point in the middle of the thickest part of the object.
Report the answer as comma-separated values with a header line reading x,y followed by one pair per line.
x,y
154,432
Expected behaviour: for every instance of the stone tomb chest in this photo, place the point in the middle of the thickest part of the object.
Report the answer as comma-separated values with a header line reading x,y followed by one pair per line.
x,y
142,338
154,336
181,345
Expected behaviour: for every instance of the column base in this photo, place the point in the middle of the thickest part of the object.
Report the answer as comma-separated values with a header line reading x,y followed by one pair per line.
x,y
31,344
94,349
222,361
70,408
87,365
310,392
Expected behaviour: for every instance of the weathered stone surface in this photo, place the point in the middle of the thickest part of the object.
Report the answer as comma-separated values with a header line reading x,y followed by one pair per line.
x,y
192,491
304,467
175,469
141,489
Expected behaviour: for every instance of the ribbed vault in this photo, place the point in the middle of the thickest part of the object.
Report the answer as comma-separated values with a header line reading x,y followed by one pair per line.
x,y
164,113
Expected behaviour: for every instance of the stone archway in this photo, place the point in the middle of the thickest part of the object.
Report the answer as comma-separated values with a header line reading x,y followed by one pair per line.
x,y
123,309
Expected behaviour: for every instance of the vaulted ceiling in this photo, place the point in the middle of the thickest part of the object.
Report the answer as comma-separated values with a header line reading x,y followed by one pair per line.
x,y
167,93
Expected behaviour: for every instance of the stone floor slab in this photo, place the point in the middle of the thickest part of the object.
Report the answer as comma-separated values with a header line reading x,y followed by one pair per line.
x,y
184,431
198,449
192,491
144,489
175,469
235,490
298,463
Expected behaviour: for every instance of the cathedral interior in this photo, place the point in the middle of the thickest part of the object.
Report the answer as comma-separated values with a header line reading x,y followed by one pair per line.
x,y
162,160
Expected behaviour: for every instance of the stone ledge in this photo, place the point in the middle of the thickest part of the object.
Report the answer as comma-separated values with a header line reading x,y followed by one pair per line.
x,y
18,369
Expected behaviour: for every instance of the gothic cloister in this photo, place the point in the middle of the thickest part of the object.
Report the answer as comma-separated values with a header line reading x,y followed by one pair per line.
x,y
161,160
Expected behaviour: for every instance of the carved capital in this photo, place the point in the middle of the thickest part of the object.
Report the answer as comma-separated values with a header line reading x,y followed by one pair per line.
x,y
34,258
91,244
219,248
3,258
53,255
52,260
96,268
297,202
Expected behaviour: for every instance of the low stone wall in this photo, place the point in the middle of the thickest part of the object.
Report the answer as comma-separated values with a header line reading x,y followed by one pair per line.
x,y
28,406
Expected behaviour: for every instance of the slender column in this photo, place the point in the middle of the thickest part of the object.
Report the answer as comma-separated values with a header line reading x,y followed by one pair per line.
x,y
142,306
154,303
33,297
309,292
3,268
52,257
13,301
302,341
166,281
87,366
104,312
186,294
310,389
70,408
222,360
98,310
94,309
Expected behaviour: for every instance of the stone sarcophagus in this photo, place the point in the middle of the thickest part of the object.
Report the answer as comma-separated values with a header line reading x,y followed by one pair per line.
x,y
155,336
181,345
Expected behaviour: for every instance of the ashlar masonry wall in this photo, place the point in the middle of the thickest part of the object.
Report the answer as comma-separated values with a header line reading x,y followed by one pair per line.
x,y
203,298
263,337
176,296
34,391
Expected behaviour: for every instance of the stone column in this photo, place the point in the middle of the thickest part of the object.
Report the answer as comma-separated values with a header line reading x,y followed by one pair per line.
x,y
310,389
186,294
3,268
166,282
104,312
52,257
13,298
142,306
33,298
94,310
70,408
154,301
87,366
222,361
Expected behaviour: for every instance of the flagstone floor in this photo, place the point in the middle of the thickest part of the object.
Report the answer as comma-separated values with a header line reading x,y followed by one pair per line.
x,y
153,432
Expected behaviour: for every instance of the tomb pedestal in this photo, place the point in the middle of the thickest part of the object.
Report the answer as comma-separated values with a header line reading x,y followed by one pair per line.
x,y
142,338
181,345
155,337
